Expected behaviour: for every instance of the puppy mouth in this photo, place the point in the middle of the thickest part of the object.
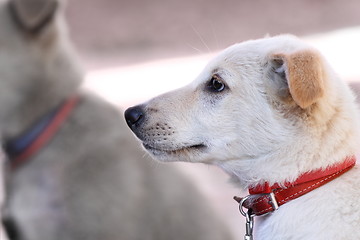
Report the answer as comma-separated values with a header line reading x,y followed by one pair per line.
x,y
182,150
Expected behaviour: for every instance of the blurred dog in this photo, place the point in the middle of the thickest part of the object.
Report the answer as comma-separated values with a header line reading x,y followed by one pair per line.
x,y
73,170
274,115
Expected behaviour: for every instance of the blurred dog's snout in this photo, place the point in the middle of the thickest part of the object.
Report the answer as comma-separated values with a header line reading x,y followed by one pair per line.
x,y
134,116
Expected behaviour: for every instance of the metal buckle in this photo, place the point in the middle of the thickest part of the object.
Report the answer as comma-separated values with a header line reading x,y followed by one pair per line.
x,y
273,202
249,215
241,205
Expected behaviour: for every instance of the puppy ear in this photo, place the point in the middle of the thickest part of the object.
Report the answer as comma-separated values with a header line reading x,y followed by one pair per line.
x,y
303,72
33,15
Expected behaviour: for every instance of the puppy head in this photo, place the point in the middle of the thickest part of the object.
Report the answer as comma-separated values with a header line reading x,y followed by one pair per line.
x,y
254,100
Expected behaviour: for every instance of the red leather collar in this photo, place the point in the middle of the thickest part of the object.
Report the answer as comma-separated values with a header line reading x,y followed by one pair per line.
x,y
265,198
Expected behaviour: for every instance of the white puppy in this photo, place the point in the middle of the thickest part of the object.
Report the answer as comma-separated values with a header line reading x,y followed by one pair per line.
x,y
274,115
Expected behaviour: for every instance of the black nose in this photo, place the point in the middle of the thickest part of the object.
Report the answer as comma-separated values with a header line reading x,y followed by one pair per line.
x,y
134,116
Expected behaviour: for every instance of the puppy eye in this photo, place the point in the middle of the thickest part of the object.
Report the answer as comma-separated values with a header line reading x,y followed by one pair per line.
x,y
216,84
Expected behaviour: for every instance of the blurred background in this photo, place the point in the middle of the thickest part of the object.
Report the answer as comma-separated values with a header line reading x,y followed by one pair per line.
x,y
133,50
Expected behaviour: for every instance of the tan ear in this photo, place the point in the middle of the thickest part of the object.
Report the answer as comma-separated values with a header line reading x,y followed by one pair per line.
x,y
305,77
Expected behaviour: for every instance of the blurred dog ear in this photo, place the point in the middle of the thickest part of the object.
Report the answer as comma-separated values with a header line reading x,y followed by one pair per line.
x,y
302,74
33,15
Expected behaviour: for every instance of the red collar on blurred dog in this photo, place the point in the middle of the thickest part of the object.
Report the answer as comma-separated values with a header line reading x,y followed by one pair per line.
x,y
265,199
22,148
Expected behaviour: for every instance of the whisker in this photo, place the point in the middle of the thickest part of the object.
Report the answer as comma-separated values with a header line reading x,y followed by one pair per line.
x,y
201,39
215,36
194,48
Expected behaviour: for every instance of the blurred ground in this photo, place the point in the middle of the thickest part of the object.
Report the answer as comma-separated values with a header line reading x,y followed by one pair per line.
x,y
139,30
136,49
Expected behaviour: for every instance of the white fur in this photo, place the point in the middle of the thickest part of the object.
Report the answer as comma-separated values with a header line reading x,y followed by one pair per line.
x,y
244,132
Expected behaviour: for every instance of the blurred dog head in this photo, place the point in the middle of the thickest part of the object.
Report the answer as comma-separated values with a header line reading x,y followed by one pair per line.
x,y
35,55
